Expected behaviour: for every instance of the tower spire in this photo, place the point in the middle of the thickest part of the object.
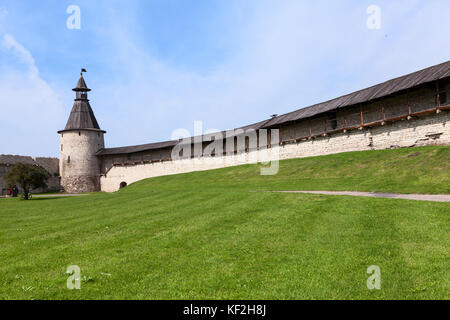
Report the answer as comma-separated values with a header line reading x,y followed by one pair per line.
x,y
82,116
81,85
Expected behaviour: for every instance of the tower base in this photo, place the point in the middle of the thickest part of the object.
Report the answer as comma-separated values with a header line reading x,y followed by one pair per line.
x,y
80,184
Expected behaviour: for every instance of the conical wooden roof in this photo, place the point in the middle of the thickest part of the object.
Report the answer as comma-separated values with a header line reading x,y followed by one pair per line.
x,y
81,117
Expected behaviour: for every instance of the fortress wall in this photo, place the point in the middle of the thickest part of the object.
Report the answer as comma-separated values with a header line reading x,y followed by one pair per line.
x,y
416,100
433,129
3,171
430,130
354,140
49,164
131,173
333,122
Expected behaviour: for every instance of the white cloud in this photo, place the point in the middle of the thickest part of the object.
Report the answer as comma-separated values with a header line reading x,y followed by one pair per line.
x,y
22,54
30,107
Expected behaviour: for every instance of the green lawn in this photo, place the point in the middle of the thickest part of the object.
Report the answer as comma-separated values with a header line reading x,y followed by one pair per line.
x,y
206,235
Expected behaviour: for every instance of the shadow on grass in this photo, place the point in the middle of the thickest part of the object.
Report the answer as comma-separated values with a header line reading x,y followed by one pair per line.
x,y
44,198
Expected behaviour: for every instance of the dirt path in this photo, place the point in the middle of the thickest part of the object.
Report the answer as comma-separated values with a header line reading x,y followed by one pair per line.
x,y
420,197
60,195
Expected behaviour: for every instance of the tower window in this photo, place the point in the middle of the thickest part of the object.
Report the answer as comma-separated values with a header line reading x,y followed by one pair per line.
x,y
79,133
62,148
68,159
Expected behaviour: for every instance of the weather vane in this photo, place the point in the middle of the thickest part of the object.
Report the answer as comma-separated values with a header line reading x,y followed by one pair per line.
x,y
83,70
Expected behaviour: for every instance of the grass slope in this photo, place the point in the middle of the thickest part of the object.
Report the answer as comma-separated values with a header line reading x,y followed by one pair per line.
x,y
204,235
411,170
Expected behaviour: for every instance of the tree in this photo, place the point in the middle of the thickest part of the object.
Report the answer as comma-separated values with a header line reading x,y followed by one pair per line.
x,y
28,177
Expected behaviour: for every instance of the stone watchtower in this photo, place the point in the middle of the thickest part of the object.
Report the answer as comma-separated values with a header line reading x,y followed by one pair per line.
x,y
80,140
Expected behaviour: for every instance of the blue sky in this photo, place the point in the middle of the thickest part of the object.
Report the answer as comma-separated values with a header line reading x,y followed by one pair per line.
x,y
158,65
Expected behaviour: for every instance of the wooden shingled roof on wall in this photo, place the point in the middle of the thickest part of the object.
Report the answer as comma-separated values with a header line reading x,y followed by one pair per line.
x,y
381,90
434,73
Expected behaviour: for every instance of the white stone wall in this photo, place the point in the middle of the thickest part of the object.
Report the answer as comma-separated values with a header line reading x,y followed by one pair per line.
x,y
430,130
132,173
81,173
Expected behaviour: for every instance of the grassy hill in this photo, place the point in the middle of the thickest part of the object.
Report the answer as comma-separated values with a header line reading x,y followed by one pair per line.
x,y
411,170
207,235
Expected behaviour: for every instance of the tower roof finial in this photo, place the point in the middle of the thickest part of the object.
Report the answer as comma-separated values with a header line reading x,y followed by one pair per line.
x,y
81,85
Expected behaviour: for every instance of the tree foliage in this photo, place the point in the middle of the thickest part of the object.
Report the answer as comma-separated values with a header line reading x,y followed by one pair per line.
x,y
28,177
